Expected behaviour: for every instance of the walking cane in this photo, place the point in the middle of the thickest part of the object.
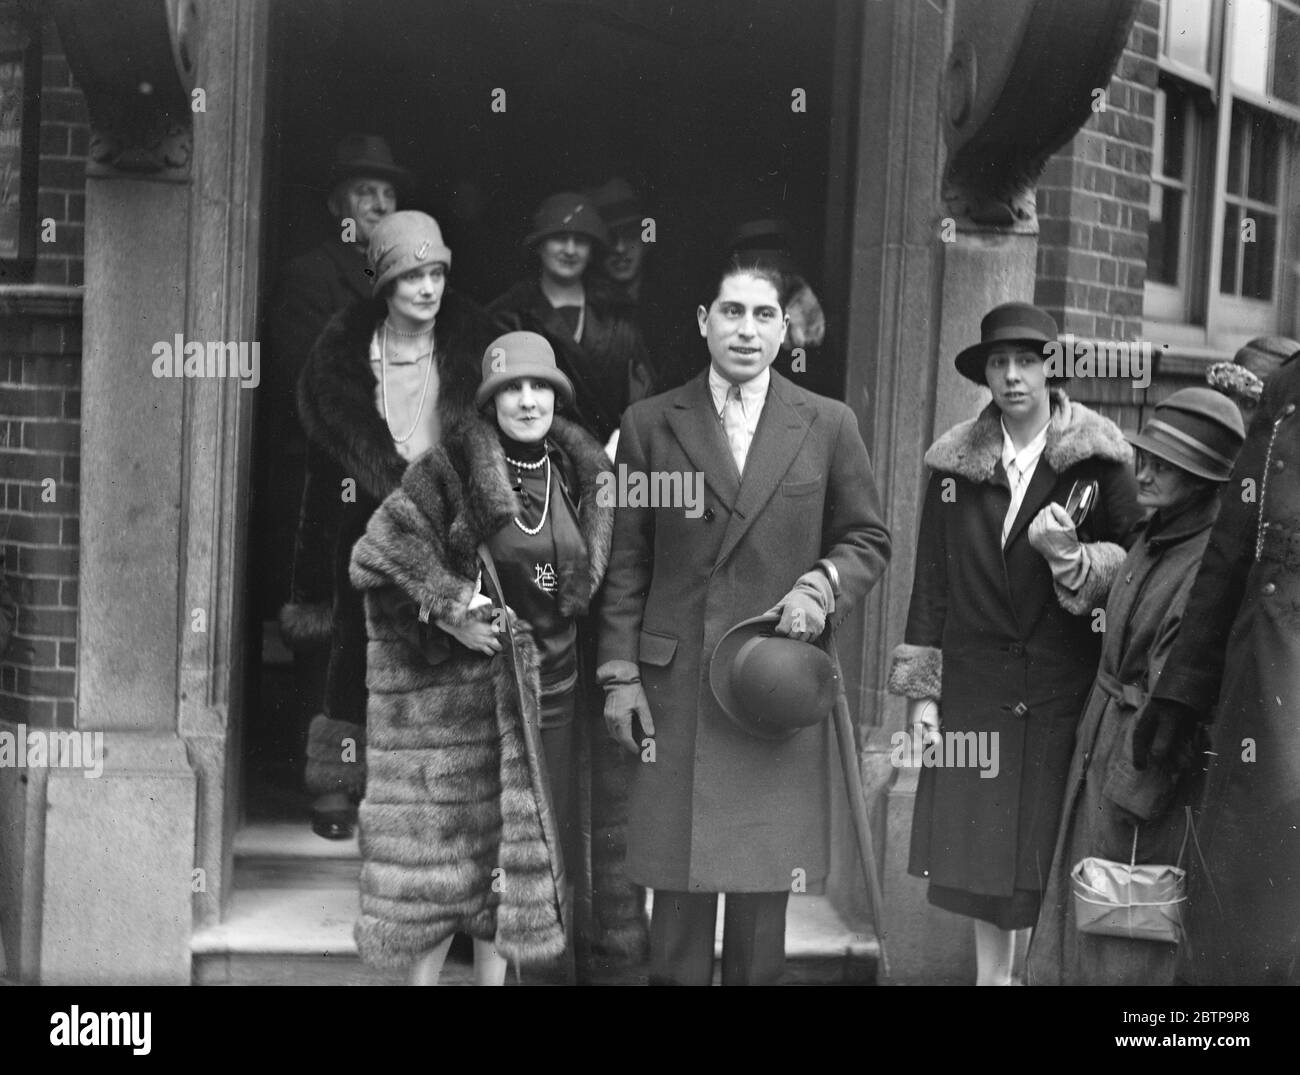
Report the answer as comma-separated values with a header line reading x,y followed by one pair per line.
x,y
857,803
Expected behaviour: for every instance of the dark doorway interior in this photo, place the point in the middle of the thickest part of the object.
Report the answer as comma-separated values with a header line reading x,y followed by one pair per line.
x,y
693,103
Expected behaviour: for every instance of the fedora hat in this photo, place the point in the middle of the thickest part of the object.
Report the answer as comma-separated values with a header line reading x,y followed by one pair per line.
x,y
366,155
521,354
1197,429
771,686
618,204
568,212
1012,322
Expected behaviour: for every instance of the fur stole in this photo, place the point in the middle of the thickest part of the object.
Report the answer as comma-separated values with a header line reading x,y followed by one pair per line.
x,y
425,537
336,393
972,449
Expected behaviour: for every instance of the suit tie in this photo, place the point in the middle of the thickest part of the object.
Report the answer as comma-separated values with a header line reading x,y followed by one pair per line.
x,y
733,423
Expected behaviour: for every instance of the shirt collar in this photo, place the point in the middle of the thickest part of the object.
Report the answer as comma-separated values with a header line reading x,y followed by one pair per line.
x,y
753,393
1026,456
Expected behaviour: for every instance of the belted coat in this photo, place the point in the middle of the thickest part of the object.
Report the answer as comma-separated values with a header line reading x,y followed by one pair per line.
x,y
718,810
1105,796
1006,653
1240,647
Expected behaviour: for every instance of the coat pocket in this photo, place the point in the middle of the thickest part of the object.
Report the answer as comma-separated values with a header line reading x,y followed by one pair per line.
x,y
804,488
656,649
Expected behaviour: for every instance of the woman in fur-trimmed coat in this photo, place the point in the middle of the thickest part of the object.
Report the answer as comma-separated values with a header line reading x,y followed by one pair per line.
x,y
996,645
353,462
460,829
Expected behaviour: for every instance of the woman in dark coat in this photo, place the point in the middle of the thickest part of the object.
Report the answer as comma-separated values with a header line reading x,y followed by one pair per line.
x,y
591,327
1240,648
385,376
1001,637
470,811
1185,454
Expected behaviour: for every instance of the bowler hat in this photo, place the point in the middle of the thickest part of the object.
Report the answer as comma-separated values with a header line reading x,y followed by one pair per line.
x,y
520,354
1012,322
401,242
771,686
366,155
1197,429
568,212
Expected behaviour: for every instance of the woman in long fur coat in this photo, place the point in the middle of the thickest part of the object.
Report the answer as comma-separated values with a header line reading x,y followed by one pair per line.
x,y
459,831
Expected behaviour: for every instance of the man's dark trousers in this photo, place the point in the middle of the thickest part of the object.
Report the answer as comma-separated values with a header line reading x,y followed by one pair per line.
x,y
682,927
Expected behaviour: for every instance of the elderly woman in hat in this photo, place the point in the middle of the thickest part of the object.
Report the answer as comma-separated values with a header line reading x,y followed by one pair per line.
x,y
586,321
386,376
1112,810
475,572
1001,639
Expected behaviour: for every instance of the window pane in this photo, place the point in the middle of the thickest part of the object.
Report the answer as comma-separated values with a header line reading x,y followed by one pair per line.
x,y
1263,164
1231,247
1257,258
1252,20
1175,132
1164,237
1237,149
1286,57
1187,32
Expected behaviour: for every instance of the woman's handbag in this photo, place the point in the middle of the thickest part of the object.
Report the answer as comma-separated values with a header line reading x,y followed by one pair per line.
x,y
1131,900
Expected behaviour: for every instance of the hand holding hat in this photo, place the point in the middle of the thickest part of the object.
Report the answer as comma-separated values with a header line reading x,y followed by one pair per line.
x,y
1052,535
804,609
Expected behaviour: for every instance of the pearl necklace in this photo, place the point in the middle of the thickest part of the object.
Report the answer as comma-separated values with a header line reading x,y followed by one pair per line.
x,y
533,531
398,332
383,381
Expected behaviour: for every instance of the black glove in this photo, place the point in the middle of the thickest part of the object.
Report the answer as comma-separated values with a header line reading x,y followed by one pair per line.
x,y
1164,734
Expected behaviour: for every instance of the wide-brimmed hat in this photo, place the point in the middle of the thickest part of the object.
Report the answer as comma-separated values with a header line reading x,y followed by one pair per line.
x,y
520,354
1197,429
771,686
568,212
618,204
366,155
1012,322
401,242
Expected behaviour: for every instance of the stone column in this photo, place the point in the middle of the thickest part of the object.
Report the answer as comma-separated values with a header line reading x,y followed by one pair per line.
x,y
171,249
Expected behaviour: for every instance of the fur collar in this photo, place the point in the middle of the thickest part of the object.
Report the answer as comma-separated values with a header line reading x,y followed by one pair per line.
x,y
336,395
425,536
972,449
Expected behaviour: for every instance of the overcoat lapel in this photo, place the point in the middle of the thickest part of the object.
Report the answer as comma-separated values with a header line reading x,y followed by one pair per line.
x,y
781,430
695,424
1038,493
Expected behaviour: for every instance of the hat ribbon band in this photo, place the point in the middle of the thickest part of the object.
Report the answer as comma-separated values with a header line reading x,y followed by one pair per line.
x,y
1191,442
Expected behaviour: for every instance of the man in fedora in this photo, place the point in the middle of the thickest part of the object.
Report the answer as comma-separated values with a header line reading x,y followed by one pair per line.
x,y
364,183
791,524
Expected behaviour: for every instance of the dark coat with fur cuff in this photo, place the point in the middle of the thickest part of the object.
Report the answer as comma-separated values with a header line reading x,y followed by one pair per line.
x,y
348,439
1002,649
452,793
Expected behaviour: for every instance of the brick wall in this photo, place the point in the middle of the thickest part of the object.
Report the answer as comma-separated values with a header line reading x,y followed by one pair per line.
x,y
65,139
1092,212
40,413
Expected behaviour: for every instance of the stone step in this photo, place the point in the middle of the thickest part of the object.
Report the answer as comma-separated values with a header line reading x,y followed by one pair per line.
x,y
290,923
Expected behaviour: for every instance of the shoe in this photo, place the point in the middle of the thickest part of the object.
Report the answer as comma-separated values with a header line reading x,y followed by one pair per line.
x,y
334,816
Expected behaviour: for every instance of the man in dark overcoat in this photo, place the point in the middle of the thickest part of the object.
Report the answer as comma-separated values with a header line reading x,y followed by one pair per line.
x,y
789,517
1236,667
